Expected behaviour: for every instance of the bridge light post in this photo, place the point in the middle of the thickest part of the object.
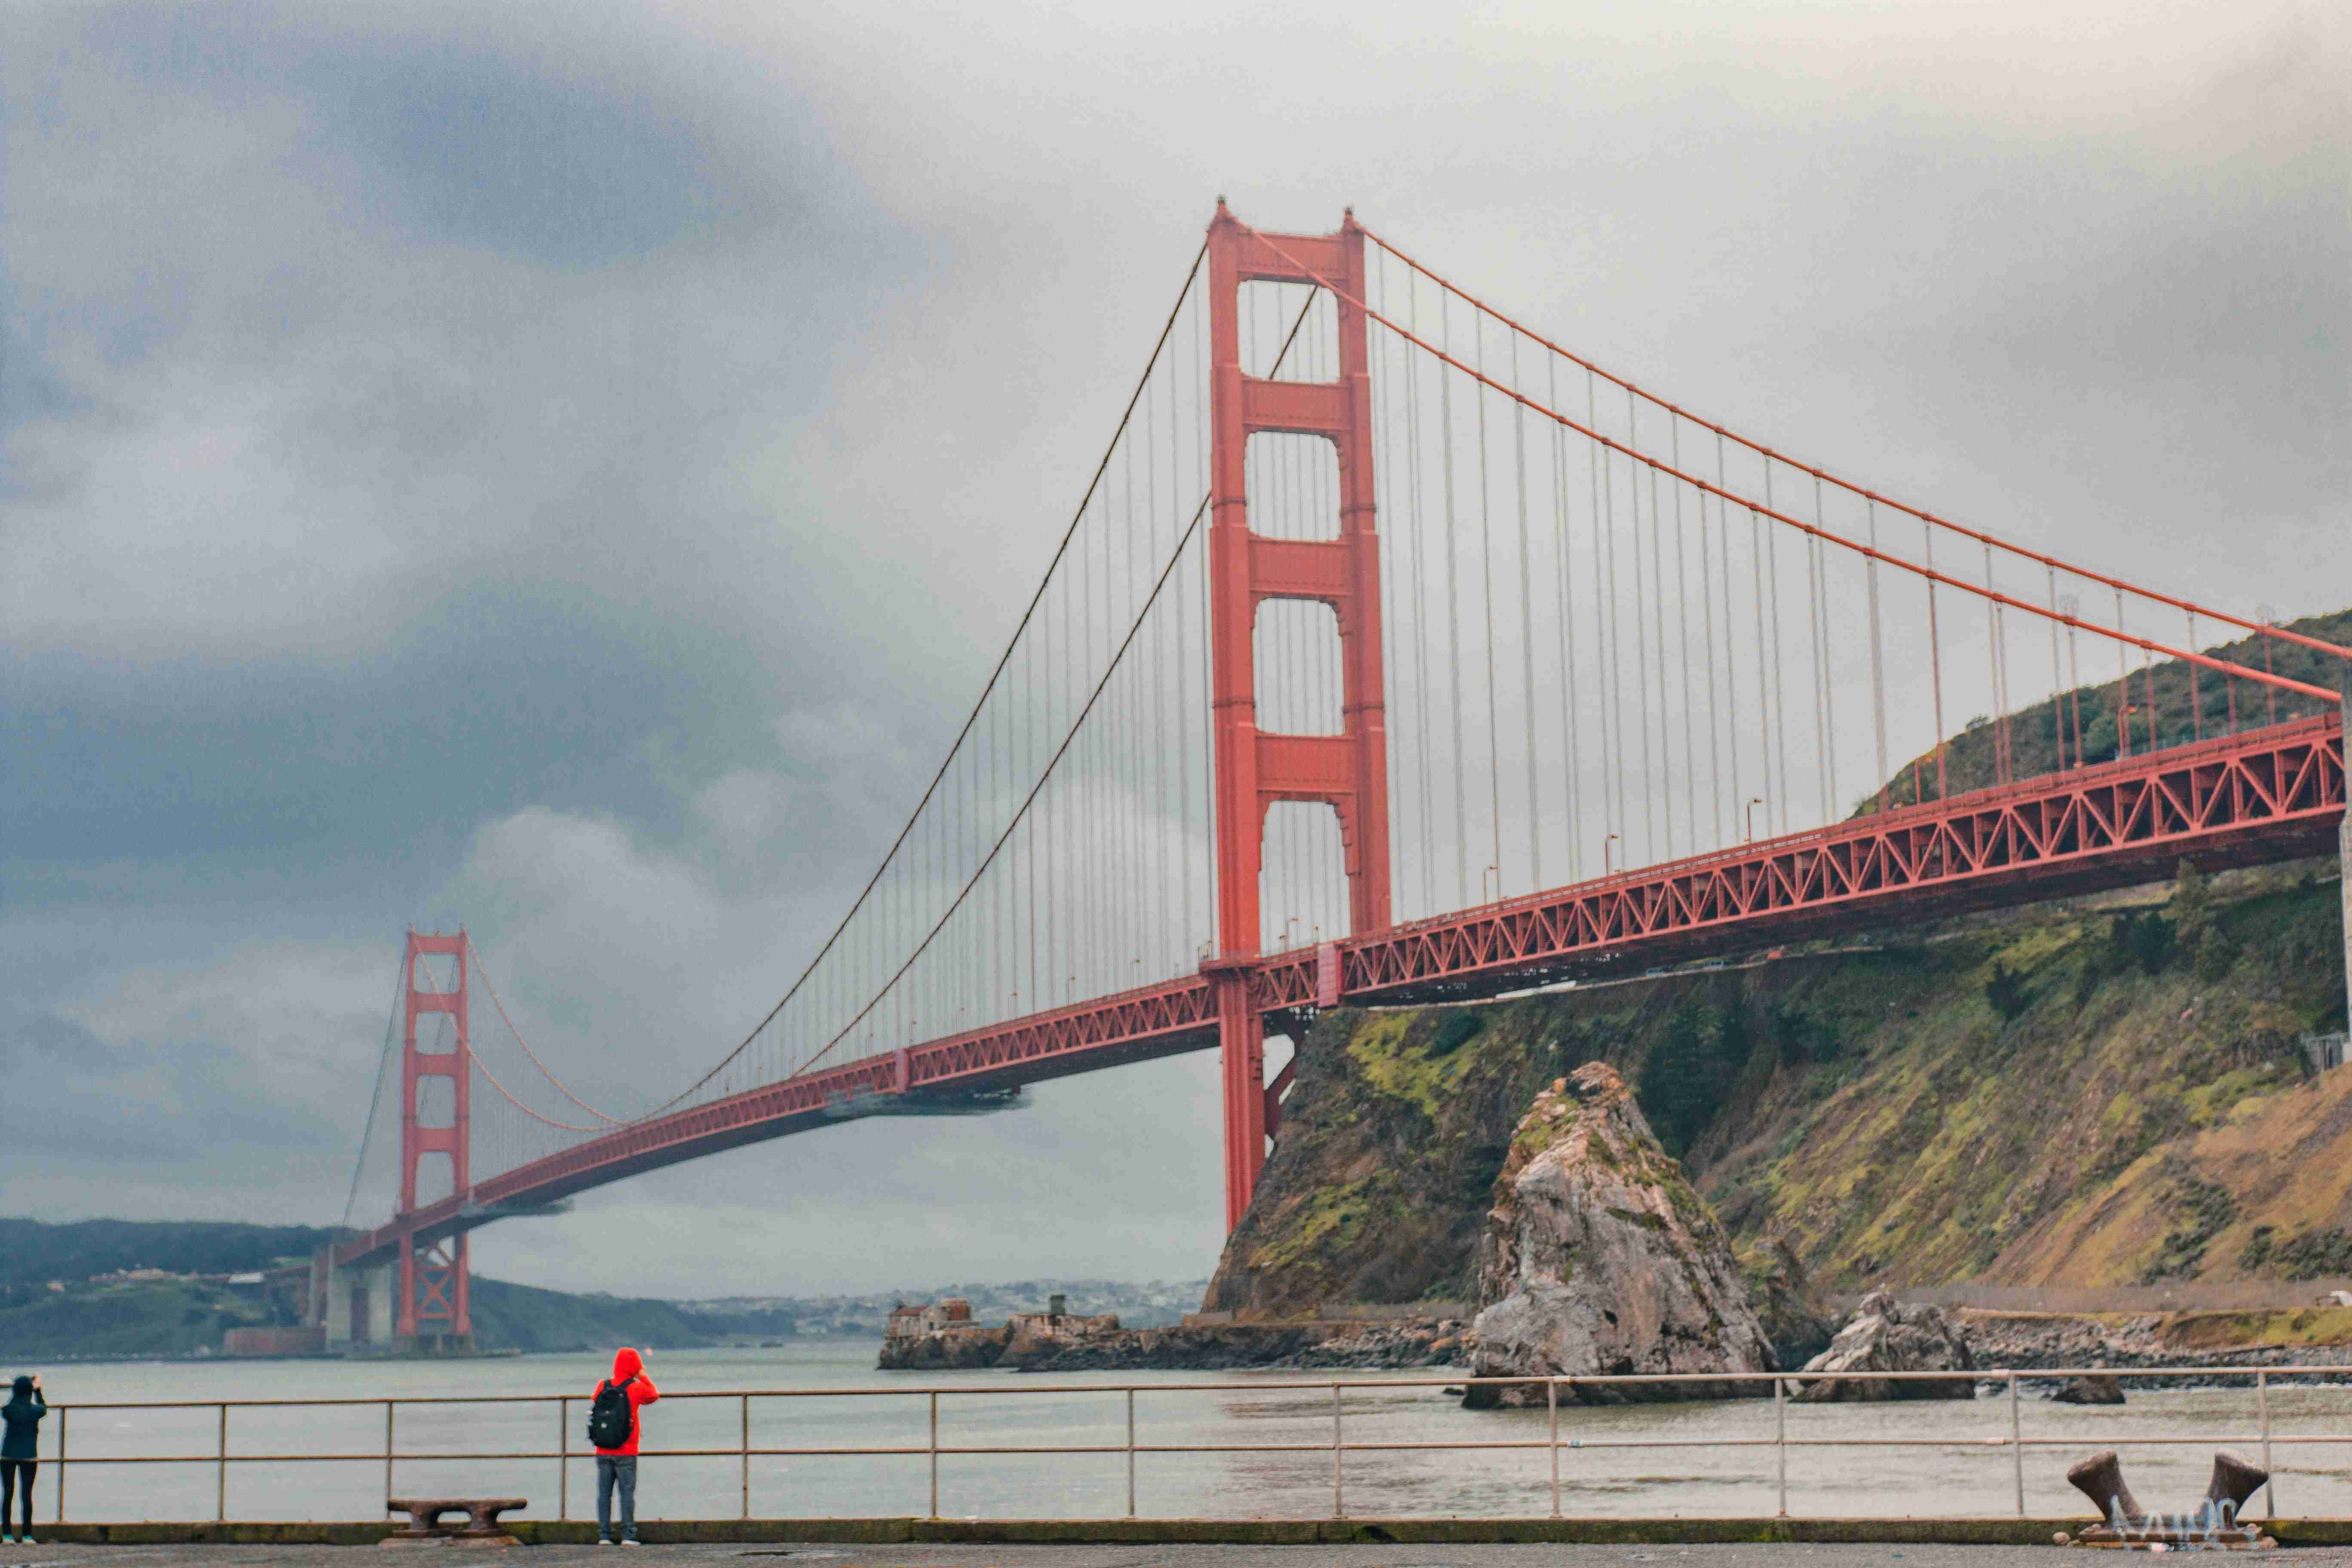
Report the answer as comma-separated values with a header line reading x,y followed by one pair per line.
x,y
1753,801
1612,839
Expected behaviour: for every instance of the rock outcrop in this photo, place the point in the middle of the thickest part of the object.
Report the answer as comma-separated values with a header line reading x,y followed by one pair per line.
x,y
1230,1346
1884,1335
1599,1257
1796,1318
2094,1390
959,1349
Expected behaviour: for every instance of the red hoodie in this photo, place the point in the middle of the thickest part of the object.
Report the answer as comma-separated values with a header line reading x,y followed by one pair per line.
x,y
625,1364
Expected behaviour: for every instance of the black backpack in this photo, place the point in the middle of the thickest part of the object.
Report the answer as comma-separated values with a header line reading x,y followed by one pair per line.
x,y
610,1418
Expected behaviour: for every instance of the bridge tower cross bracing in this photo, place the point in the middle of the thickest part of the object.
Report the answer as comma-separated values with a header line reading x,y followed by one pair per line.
x,y
1348,772
435,1287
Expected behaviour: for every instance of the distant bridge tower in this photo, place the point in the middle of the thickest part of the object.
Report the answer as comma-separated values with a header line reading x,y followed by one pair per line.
x,y
1348,772
435,1295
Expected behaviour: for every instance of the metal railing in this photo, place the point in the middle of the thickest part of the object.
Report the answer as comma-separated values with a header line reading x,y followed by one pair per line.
x,y
1556,1392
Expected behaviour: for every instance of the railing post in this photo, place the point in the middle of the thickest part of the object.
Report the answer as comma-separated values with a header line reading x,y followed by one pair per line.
x,y
1780,1437
1552,1402
62,1414
746,1448
220,1470
1338,1499
2262,1400
935,1453
2016,1445
1131,1452
388,1457
562,1457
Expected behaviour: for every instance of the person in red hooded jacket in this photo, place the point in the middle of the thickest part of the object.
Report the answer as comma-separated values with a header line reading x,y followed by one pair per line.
x,y
618,1466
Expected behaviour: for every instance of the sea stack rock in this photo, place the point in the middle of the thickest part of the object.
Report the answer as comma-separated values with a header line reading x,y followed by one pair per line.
x,y
1883,1336
1599,1257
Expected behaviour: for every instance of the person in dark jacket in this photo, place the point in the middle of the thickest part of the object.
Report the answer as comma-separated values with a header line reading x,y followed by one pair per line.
x,y
20,1452
617,1466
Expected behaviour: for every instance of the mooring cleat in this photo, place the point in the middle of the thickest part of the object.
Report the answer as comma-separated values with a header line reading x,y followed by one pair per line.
x,y
2100,1477
2213,1526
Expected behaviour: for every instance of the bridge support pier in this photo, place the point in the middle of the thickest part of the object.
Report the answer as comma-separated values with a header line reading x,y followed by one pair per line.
x,y
1241,1054
1347,771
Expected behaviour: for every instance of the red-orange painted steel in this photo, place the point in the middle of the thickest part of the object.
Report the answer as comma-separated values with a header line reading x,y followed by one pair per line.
x,y
1348,772
2266,794
2271,794
435,1289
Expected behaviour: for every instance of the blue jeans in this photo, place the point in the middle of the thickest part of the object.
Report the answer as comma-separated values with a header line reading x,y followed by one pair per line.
x,y
621,1468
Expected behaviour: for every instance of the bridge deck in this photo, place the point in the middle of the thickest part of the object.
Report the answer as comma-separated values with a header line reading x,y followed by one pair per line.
x,y
2260,795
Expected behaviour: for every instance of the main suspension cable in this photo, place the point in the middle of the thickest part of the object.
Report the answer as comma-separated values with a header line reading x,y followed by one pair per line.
x,y
995,675
2147,645
2316,644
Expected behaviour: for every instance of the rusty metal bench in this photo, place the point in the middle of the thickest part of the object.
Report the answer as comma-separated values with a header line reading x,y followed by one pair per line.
x,y
481,1528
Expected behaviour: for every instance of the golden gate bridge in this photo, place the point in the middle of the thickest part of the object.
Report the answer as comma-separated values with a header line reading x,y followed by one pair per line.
x,y
1393,653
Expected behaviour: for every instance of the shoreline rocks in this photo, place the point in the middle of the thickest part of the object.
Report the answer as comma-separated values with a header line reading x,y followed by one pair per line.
x,y
1030,1343
1885,1336
2090,1391
1599,1257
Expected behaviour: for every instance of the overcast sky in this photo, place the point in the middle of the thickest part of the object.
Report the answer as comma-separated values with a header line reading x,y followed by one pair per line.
x,y
562,468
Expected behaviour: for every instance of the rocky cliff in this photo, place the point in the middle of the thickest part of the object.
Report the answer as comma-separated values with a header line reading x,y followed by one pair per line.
x,y
2097,1091
1599,1258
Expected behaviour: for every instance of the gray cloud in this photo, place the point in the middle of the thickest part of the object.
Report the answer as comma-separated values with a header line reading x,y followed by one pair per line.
x,y
563,469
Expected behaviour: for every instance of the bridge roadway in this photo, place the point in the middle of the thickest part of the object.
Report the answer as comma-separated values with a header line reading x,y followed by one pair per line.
x,y
2265,795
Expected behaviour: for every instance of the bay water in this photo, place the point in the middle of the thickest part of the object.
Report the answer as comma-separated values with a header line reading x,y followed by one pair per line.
x,y
1697,1459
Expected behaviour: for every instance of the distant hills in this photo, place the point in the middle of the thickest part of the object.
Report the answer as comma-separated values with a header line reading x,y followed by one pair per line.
x,y
38,1251
110,1288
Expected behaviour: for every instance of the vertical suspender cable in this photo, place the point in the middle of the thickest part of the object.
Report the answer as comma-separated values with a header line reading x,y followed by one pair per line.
x,y
1527,625
1877,655
2123,684
1421,718
1730,660
1813,630
1641,649
1780,690
1993,661
1682,647
1763,666
1569,681
1658,633
1829,643
1487,571
1605,538
1453,627
2196,692
2057,681
1934,660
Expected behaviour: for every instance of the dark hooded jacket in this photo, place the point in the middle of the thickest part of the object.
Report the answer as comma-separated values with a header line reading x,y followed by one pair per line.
x,y
642,1392
22,1419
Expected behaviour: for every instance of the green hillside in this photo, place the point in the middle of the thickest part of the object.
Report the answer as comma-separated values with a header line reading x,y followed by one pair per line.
x,y
2096,1091
2083,725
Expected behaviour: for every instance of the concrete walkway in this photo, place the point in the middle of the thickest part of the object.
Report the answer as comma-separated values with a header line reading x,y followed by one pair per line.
x,y
922,1556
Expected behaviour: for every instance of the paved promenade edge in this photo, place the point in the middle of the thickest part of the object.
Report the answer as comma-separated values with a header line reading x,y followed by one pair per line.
x,y
898,1530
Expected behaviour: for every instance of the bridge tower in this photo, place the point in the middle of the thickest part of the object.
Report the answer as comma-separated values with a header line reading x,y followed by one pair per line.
x,y
1348,772
435,1297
